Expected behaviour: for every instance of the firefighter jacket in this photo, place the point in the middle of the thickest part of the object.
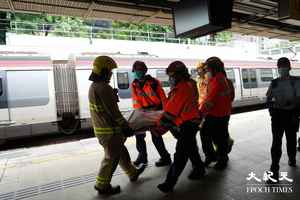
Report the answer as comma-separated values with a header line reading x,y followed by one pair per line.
x,y
218,100
105,113
149,95
182,103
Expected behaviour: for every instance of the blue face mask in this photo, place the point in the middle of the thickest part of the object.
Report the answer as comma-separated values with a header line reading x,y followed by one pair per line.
x,y
172,82
138,74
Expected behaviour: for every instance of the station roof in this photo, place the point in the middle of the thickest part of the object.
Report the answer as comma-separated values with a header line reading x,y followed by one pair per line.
x,y
250,17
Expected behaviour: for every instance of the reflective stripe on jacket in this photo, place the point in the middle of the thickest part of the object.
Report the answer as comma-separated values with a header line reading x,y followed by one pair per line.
x,y
150,95
218,101
105,114
182,103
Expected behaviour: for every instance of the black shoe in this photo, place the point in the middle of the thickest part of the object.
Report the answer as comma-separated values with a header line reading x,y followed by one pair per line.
x,y
166,187
197,173
220,165
140,160
209,160
139,172
292,162
163,162
109,190
275,178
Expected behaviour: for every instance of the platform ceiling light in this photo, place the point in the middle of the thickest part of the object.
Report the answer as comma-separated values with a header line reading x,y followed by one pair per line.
x,y
289,11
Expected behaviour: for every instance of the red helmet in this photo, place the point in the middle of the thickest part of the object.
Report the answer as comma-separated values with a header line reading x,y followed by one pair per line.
x,y
139,66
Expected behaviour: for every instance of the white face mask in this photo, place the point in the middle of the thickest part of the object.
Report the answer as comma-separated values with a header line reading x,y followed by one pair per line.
x,y
283,72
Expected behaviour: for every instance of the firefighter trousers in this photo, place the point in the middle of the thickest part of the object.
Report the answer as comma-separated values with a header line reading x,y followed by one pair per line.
x,y
115,153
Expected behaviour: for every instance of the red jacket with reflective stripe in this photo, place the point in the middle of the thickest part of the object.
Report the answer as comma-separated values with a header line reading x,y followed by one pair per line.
x,y
182,102
151,95
218,101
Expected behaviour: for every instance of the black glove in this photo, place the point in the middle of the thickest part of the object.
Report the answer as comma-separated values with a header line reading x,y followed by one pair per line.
x,y
171,126
127,131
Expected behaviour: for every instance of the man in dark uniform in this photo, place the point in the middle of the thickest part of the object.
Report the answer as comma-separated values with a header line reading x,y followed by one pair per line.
x,y
284,115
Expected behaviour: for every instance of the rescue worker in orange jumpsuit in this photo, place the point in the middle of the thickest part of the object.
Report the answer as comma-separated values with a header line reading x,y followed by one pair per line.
x,y
206,140
109,126
216,108
147,94
181,116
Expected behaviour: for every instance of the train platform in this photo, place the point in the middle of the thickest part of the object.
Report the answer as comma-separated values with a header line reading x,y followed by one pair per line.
x,y
68,170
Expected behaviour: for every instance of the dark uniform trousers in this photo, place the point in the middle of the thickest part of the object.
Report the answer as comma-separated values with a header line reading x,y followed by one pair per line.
x,y
215,130
186,148
158,143
287,122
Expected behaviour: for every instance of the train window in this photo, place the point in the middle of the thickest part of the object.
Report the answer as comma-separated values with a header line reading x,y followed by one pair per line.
x,y
230,75
295,72
28,88
194,74
123,80
266,75
297,49
245,76
162,76
1,87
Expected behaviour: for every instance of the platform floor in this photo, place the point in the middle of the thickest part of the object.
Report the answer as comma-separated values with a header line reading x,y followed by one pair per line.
x,y
67,171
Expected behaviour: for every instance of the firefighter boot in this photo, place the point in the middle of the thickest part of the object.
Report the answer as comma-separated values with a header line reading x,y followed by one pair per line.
x,y
110,190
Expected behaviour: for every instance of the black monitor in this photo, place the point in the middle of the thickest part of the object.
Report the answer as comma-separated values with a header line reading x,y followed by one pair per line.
x,y
195,18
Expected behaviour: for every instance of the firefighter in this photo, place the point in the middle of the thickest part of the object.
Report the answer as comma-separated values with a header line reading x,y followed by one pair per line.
x,y
110,127
147,94
216,108
181,116
284,115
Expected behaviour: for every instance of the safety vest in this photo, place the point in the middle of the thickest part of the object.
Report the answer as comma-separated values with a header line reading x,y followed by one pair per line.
x,y
182,102
150,95
218,100
105,114
202,88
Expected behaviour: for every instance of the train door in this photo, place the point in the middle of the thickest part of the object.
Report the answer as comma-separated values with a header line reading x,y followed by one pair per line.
x,y
250,90
66,94
265,76
164,79
4,111
122,80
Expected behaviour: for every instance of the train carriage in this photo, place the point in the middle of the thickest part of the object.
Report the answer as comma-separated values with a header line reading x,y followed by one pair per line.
x,y
40,96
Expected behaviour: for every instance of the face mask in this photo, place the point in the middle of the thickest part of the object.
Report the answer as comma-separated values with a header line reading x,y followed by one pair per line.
x,y
283,71
172,82
208,74
138,74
